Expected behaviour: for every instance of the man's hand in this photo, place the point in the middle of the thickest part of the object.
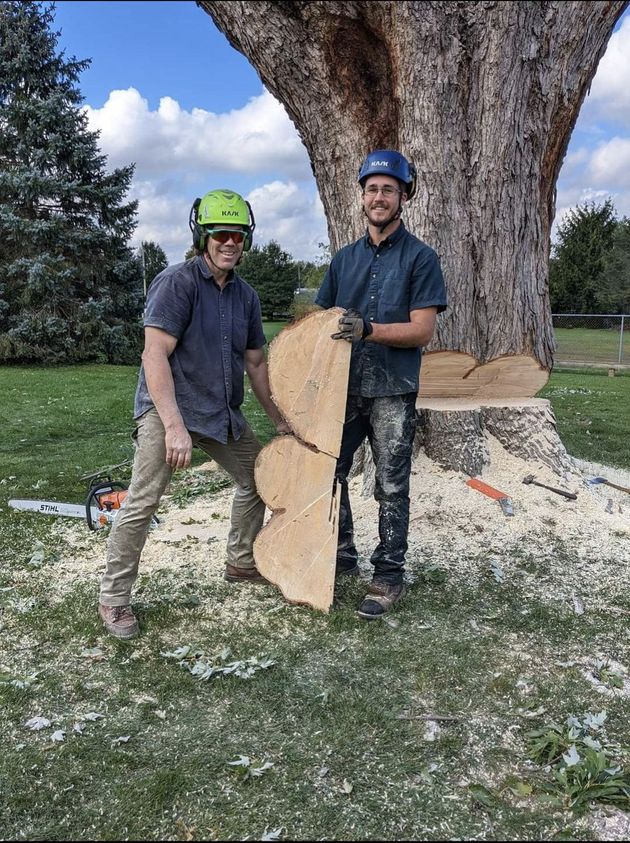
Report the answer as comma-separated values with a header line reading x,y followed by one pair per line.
x,y
178,447
352,327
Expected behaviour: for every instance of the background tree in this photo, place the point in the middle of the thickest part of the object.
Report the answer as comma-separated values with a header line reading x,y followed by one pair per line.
x,y
312,272
482,96
613,294
70,287
153,259
272,273
585,237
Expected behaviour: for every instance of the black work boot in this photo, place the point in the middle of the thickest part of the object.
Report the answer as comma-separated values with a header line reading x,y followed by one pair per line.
x,y
380,598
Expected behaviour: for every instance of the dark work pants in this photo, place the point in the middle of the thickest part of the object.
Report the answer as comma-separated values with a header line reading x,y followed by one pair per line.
x,y
389,423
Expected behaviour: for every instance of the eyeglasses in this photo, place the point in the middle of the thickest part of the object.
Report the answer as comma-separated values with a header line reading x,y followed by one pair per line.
x,y
386,190
222,235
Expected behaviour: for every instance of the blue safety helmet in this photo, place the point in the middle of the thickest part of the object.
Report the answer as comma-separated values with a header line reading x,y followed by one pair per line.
x,y
388,162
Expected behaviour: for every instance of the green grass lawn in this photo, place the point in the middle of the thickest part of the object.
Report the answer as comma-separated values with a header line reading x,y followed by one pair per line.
x,y
591,346
593,413
331,739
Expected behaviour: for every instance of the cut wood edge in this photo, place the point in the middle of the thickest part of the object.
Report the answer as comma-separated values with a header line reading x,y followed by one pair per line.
x,y
452,374
297,547
443,373
308,376
510,376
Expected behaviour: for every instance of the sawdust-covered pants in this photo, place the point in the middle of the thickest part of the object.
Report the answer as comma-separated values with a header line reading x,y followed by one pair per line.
x,y
150,477
389,423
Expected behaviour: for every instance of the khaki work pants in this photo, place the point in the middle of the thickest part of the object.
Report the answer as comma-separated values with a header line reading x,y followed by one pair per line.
x,y
149,479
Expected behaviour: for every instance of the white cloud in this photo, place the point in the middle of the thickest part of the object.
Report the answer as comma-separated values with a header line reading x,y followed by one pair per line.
x,y
610,163
258,137
610,90
290,216
179,155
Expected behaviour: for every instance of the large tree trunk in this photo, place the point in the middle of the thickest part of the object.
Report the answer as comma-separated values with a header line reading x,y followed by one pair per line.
x,y
481,96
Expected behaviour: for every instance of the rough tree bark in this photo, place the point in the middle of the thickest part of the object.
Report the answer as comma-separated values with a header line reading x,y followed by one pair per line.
x,y
482,96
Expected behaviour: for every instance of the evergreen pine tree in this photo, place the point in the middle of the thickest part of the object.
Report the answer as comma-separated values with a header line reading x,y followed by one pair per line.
x,y
153,259
585,237
70,286
273,274
614,294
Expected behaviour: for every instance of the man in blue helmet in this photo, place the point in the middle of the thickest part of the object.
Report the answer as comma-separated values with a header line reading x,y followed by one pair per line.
x,y
203,331
391,287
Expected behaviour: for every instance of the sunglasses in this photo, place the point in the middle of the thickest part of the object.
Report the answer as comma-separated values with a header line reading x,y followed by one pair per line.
x,y
222,235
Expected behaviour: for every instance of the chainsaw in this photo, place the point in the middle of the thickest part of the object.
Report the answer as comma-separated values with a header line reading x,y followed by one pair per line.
x,y
105,498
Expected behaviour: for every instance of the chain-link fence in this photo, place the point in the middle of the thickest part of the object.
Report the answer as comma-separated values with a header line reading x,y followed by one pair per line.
x,y
592,339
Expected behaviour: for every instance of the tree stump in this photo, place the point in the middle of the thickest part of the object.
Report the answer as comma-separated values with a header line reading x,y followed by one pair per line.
x,y
295,475
462,403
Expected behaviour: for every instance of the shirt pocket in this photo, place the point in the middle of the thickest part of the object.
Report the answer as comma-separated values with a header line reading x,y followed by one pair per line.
x,y
240,332
393,305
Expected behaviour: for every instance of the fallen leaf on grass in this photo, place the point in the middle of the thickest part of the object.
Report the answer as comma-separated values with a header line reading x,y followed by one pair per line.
x,y
37,559
241,761
247,769
37,723
497,571
96,654
482,795
531,714
185,832
578,605
272,833
521,789
347,786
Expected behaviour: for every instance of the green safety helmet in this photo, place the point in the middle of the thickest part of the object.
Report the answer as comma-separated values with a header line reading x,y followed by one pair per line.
x,y
217,208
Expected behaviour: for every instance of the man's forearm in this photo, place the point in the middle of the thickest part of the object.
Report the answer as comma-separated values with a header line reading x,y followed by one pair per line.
x,y
400,334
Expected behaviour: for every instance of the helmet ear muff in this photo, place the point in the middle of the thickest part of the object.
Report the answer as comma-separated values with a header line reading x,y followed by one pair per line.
x,y
249,237
413,183
199,236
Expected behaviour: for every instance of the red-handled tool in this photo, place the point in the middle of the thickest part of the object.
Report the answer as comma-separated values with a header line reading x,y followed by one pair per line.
x,y
505,501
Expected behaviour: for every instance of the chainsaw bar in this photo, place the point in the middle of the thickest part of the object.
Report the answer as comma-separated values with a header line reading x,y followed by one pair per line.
x,y
69,510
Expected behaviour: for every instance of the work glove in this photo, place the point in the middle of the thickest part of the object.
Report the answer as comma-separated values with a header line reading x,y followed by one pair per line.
x,y
352,327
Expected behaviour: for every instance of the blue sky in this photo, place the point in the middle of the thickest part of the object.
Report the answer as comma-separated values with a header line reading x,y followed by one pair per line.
x,y
168,92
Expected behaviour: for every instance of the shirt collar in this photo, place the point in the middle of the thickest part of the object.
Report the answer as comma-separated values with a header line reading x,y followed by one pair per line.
x,y
206,272
388,241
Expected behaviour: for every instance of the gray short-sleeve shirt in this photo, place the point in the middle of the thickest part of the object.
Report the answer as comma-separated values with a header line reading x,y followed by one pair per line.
x,y
214,327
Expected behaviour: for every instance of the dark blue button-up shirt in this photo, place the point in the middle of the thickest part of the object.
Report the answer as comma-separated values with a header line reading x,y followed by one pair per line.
x,y
384,283
214,327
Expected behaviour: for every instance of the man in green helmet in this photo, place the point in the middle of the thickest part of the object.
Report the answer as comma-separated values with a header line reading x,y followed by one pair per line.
x,y
203,331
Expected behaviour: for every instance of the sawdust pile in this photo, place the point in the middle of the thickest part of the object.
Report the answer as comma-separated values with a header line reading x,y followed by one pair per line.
x,y
581,547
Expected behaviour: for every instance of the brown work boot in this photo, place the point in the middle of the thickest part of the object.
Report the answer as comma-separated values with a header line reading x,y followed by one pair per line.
x,y
119,621
380,598
234,574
